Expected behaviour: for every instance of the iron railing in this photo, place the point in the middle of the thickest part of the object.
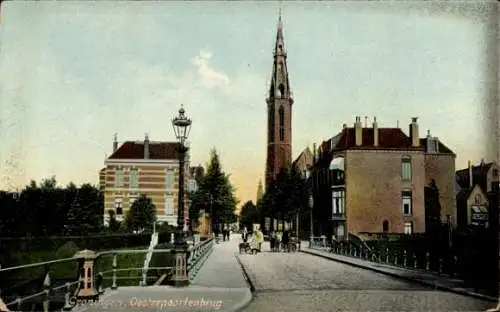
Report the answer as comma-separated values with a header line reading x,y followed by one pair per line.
x,y
65,292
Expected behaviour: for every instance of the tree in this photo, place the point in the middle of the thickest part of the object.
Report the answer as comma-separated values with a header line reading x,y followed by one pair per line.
x,y
249,214
215,194
285,197
141,215
113,224
78,219
432,208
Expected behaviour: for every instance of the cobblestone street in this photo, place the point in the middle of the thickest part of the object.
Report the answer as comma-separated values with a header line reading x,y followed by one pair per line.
x,y
302,282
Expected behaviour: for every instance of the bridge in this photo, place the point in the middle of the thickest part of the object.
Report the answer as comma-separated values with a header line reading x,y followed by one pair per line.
x,y
318,277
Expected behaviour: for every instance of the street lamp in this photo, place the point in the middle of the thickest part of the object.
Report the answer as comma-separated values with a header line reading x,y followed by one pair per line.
x,y
182,126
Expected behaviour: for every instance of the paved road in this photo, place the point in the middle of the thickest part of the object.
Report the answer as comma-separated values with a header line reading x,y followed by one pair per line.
x,y
302,282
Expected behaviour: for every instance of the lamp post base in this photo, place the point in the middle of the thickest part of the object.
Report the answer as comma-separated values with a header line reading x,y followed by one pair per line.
x,y
180,251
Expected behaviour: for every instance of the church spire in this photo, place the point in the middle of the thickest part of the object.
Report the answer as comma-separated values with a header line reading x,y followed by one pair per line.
x,y
280,85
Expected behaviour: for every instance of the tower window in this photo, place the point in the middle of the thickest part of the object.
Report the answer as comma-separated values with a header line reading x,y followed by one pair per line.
x,y
282,122
271,124
282,90
280,47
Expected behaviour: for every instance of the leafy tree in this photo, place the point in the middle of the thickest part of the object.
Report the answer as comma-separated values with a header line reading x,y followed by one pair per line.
x,y
78,219
432,208
249,214
141,215
215,194
113,224
285,197
42,209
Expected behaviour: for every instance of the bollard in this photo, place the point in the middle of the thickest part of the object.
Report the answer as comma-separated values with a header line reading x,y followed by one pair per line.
x,y
415,263
404,258
396,259
67,305
115,265
46,289
440,270
374,258
427,261
355,252
379,256
387,255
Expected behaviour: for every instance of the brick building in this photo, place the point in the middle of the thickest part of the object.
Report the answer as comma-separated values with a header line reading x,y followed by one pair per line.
x,y
144,167
369,180
279,112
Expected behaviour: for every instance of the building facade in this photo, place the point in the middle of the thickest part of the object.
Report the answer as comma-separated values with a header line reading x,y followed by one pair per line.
x,y
369,180
279,112
474,185
144,167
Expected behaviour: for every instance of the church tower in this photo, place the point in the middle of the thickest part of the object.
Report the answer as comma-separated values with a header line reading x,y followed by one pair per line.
x,y
279,112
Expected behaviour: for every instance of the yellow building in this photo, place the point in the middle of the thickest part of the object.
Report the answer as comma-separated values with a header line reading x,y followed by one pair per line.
x,y
144,167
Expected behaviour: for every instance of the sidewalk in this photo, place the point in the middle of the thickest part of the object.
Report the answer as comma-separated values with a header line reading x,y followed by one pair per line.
x,y
222,269
441,282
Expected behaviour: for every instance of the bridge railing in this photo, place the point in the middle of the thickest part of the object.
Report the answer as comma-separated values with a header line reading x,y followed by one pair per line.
x,y
105,271
448,265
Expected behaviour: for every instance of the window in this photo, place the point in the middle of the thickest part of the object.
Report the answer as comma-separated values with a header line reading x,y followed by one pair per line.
x,y
134,179
282,123
408,228
169,179
282,90
119,178
407,208
385,226
406,169
169,206
340,231
271,123
338,202
495,173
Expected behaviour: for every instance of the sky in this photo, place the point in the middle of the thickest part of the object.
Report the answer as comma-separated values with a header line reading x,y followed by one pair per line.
x,y
76,72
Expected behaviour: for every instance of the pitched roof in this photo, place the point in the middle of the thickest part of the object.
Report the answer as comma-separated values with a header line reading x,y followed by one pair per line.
x,y
443,149
157,150
479,176
388,138
306,153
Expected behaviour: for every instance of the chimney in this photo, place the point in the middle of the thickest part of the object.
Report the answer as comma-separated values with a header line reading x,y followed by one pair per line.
x,y
115,143
375,131
415,140
146,147
358,131
470,174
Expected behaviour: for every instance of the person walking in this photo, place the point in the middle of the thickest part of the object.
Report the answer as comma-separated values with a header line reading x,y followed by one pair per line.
x,y
279,236
285,240
272,240
245,234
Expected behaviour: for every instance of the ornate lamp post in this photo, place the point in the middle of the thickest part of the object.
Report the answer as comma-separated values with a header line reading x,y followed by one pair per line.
x,y
182,126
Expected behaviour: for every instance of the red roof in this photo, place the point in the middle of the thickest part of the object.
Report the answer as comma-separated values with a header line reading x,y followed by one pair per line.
x,y
157,150
388,138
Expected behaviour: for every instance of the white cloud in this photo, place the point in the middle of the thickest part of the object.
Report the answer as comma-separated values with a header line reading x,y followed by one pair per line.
x,y
209,77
